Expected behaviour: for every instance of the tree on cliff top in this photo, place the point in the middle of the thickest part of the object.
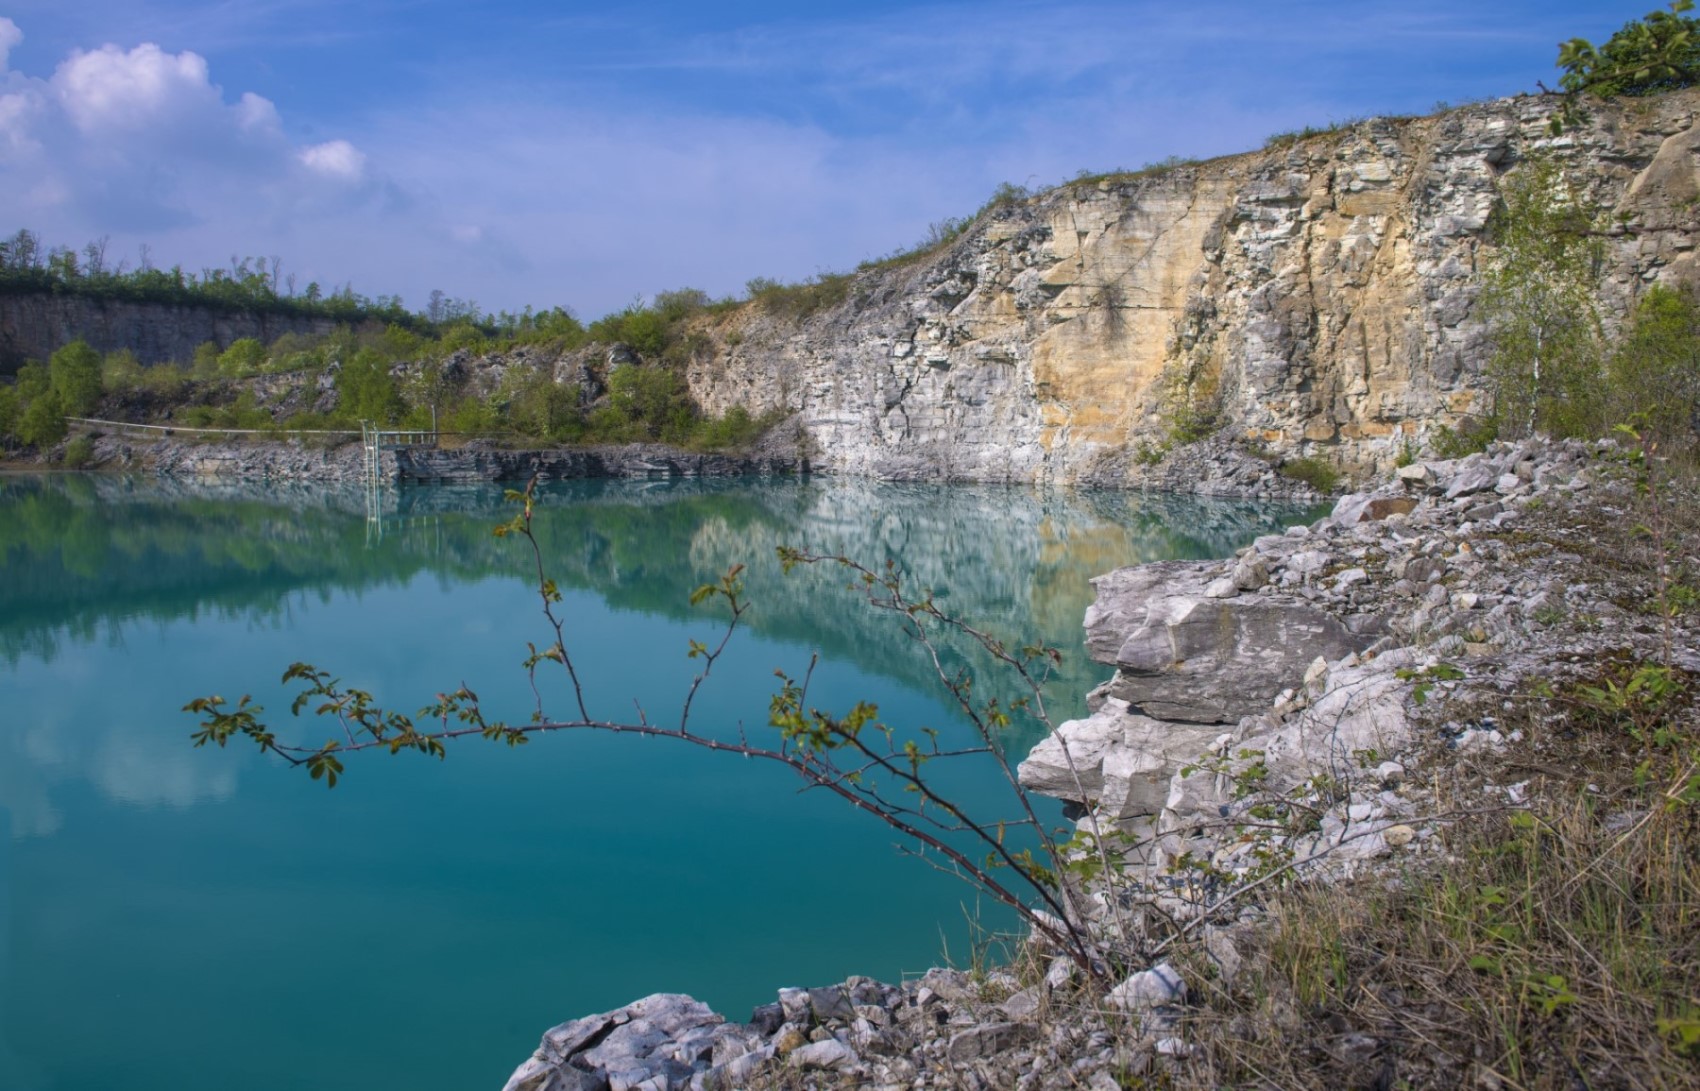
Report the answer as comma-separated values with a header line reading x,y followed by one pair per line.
x,y
1658,52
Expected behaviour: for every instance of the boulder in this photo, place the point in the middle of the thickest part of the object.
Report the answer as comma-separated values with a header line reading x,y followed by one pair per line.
x,y
666,1037
1184,656
1160,986
1116,759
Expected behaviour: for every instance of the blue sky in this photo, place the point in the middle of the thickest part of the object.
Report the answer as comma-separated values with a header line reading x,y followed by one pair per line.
x,y
585,155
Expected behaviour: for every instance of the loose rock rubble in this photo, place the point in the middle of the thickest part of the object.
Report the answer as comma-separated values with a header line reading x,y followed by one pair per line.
x,y
1299,667
1217,466
946,1029
1294,668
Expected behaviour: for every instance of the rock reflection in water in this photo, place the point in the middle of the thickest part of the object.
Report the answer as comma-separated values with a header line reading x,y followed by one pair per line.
x,y
135,855
83,555
86,558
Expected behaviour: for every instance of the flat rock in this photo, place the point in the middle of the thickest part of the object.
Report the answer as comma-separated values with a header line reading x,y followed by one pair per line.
x,y
988,1039
1183,656
1116,759
666,1035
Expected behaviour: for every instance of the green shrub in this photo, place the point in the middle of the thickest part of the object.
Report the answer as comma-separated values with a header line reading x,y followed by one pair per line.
x,y
120,371
366,390
642,329
737,429
463,335
1540,300
558,325
308,421
74,373
652,399
1290,137
395,343
680,303
41,424
1473,434
1653,372
244,413
205,363
10,407
166,380
243,358
472,416
79,453
1191,406
1314,472
542,408
799,301
605,424
32,382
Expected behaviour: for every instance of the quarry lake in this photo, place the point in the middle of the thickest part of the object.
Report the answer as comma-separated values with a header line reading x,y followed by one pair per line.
x,y
174,919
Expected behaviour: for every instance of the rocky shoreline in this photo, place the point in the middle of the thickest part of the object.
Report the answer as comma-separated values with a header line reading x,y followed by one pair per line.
x,y
1216,467
1316,667
298,460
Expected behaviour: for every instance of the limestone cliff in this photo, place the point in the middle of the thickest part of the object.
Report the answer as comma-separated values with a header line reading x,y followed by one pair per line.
x,y
1320,293
32,326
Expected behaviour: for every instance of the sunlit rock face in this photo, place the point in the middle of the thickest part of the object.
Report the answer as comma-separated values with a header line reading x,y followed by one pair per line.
x,y
1325,289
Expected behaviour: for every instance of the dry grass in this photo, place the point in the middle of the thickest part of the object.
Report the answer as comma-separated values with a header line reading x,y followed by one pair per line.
x,y
1557,948
1555,943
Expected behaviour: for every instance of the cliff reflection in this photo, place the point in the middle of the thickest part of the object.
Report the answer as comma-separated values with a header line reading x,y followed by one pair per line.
x,y
85,556
82,555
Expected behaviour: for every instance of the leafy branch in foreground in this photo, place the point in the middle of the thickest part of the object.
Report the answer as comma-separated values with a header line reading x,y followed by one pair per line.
x,y
853,755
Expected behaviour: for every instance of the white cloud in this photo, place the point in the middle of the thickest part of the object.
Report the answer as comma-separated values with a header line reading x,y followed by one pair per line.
x,y
140,770
110,89
128,763
133,142
10,36
335,159
16,118
254,113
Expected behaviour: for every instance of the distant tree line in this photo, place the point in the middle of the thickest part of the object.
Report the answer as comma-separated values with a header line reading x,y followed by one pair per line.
x,y
397,375
29,266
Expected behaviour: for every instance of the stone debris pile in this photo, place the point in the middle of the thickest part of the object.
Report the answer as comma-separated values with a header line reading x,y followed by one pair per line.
x,y
1287,672
1291,675
945,1030
1216,466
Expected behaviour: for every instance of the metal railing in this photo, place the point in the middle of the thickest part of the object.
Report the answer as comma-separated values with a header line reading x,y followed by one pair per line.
x,y
177,429
375,441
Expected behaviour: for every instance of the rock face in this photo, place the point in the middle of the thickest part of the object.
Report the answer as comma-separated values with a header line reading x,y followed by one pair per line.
x,y
1294,664
1321,295
1314,299
33,326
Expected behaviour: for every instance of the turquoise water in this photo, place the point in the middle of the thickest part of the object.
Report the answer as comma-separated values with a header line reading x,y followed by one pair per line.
x,y
184,919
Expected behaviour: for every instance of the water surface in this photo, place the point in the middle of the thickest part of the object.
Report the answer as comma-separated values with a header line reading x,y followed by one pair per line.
x,y
184,919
